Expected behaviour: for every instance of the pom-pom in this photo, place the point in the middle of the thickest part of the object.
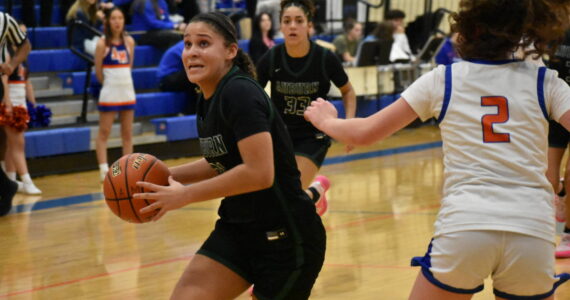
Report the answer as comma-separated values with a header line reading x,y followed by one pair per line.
x,y
17,120
40,115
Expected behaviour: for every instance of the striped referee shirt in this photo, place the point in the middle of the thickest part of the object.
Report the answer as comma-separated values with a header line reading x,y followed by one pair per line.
x,y
9,31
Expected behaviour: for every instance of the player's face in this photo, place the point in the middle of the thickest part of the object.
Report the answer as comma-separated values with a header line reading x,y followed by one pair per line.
x,y
117,21
205,55
265,23
294,25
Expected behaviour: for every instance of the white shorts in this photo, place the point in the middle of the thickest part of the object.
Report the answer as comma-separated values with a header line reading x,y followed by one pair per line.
x,y
520,265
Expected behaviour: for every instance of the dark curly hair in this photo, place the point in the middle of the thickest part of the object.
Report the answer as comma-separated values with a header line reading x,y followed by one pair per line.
x,y
492,29
306,5
224,26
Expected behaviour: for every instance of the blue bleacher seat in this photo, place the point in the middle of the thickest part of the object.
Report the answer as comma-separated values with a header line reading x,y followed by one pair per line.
x,y
48,37
366,107
143,78
56,17
339,107
64,60
177,128
244,45
387,100
57,141
162,103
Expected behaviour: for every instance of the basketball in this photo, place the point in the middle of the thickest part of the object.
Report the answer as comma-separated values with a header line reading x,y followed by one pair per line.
x,y
121,183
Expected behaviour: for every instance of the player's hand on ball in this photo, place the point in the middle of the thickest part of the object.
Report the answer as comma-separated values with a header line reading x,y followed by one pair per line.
x,y
167,198
319,111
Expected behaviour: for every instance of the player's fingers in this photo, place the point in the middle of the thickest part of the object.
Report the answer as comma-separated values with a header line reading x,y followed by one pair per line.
x,y
149,186
152,207
159,215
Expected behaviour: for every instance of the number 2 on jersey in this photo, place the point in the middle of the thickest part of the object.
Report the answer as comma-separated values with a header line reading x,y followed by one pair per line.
x,y
502,116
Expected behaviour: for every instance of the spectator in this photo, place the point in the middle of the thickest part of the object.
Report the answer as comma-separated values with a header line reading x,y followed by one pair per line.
x,y
172,76
384,31
186,8
87,12
347,43
401,51
152,16
20,88
447,54
261,36
273,8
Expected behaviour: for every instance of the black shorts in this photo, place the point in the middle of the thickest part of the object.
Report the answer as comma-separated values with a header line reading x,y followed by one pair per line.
x,y
282,263
558,136
313,148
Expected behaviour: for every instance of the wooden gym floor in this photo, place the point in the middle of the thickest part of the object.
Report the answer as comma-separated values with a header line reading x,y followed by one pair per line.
x,y
67,244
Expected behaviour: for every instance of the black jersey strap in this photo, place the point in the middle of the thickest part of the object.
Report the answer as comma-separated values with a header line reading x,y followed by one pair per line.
x,y
256,84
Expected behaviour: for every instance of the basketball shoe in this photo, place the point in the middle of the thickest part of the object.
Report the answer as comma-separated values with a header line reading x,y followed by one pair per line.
x,y
322,184
563,249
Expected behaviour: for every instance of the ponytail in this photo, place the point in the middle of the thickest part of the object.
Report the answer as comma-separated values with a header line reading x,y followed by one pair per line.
x,y
243,61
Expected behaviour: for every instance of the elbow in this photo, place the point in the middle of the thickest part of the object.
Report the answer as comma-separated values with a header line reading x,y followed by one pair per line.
x,y
264,180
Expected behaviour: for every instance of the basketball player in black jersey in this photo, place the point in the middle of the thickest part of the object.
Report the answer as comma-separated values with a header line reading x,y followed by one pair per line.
x,y
558,139
269,233
300,71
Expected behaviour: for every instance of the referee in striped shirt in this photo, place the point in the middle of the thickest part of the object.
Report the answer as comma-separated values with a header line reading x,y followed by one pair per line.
x,y
9,32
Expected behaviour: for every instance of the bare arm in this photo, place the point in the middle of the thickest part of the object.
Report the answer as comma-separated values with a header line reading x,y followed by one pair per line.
x,y
131,48
193,171
347,57
18,57
99,55
30,94
565,120
6,99
348,99
360,131
255,173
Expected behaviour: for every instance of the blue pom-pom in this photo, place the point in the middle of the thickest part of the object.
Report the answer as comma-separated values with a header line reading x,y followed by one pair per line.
x,y
40,115
43,116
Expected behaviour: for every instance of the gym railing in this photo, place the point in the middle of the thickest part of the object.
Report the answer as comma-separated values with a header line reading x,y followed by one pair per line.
x,y
75,25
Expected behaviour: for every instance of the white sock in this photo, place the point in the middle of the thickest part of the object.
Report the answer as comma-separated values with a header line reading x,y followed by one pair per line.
x,y
104,168
26,178
3,165
11,175
317,185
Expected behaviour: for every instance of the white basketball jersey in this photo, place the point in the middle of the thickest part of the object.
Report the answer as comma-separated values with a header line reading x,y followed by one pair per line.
x,y
493,118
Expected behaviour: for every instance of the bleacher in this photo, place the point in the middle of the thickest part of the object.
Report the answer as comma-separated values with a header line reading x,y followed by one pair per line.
x,y
68,145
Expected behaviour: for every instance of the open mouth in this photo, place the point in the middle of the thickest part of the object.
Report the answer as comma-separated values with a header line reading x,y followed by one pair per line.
x,y
195,67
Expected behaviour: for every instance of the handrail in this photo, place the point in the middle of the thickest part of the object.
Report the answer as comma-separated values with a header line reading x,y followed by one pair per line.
x,y
368,6
90,62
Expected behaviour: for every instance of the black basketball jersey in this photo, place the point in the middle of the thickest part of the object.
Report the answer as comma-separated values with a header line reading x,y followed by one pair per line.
x,y
561,61
240,108
292,90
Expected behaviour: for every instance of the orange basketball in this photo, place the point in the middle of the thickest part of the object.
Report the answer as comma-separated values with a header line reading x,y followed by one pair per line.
x,y
121,183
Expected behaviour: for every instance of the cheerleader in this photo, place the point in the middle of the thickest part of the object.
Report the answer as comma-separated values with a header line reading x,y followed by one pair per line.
x,y
114,57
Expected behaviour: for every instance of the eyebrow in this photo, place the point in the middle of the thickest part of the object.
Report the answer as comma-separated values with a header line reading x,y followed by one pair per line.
x,y
199,35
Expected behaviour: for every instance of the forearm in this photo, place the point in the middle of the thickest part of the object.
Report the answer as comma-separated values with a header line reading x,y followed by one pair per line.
x,y
21,54
30,95
193,171
239,180
349,102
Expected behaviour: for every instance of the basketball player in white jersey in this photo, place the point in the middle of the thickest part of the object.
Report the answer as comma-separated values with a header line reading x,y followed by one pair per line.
x,y
496,217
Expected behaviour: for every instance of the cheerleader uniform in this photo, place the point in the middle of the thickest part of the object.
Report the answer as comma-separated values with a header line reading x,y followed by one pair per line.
x,y
17,85
118,92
